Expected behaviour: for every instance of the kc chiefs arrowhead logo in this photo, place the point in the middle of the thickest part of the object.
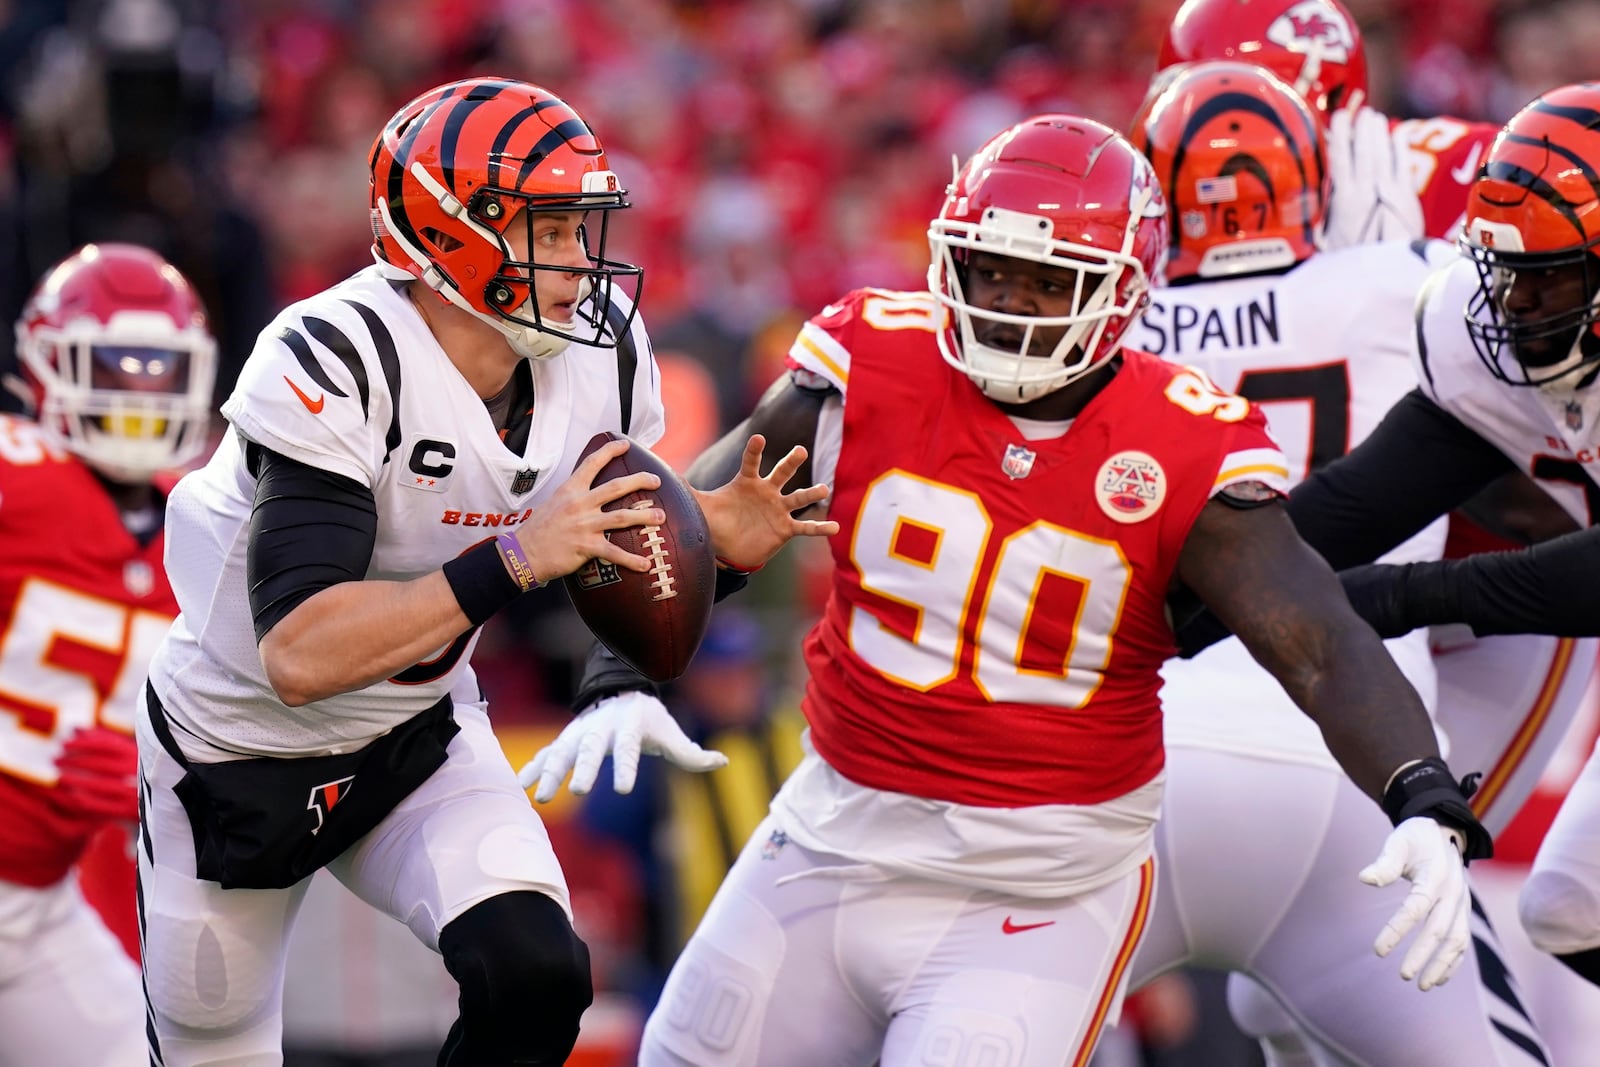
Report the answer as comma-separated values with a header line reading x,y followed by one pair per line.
x,y
326,795
1314,27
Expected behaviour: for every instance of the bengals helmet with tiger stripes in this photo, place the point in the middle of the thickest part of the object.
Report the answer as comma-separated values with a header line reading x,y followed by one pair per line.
x,y
1534,212
459,165
1244,166
1314,45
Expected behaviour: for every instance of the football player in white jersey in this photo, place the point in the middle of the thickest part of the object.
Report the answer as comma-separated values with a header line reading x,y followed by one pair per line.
x,y
401,463
1322,341
959,869
1509,354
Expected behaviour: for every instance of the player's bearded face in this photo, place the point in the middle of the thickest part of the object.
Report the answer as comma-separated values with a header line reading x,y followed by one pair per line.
x,y
556,239
1529,297
1022,287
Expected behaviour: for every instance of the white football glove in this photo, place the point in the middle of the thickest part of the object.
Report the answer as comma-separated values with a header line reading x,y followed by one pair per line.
x,y
623,726
1428,855
1374,195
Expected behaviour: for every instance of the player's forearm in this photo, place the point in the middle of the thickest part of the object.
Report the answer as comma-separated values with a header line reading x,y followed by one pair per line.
x,y
1551,588
1286,606
1417,465
354,634
1370,716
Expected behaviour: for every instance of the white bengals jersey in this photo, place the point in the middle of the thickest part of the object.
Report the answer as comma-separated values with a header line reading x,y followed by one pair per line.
x,y
1555,443
351,381
1325,349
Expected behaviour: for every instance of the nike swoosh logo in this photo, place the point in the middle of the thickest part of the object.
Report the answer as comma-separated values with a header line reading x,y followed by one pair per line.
x,y
1009,927
1468,170
313,406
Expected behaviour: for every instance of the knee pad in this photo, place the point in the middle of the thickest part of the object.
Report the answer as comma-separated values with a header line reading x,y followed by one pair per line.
x,y
524,978
1560,914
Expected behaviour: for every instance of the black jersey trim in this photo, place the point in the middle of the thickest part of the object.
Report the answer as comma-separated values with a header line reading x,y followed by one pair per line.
x,y
1425,295
296,342
335,340
627,362
389,363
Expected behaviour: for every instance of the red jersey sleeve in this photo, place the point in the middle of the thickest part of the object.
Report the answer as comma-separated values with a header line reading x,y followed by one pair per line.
x,y
1444,155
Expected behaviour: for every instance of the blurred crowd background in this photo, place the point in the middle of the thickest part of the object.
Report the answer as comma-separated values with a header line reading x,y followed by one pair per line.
x,y
778,153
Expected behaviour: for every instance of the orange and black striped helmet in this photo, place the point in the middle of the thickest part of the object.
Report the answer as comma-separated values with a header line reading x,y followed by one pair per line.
x,y
455,168
1314,45
1244,166
1535,210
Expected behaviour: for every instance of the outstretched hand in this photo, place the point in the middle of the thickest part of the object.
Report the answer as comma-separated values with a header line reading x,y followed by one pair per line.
x,y
1428,855
624,727
751,517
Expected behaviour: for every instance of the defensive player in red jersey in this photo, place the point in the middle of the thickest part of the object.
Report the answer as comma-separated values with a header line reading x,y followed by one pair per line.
x,y
120,364
960,868
1392,178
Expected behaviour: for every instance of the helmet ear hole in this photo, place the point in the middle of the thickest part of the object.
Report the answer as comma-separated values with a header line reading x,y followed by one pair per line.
x,y
442,242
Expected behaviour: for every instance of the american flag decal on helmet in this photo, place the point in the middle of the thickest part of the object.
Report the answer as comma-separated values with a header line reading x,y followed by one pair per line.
x,y
326,795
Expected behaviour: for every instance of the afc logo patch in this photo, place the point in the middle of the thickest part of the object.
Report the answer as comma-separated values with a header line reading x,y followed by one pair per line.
x,y
326,795
1130,486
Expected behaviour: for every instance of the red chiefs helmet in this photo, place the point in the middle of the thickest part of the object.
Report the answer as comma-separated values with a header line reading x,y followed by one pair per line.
x,y
1063,191
1244,166
114,346
1314,45
457,167
1535,208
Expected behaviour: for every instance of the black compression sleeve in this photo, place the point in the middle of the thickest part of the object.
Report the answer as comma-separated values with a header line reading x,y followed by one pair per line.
x,y
1550,588
1419,463
309,529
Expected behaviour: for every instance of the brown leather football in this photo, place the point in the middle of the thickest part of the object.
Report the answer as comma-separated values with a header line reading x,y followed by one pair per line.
x,y
654,620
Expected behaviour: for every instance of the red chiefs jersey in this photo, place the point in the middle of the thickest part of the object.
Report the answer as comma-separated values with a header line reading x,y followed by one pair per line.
x,y
997,617
1444,155
82,607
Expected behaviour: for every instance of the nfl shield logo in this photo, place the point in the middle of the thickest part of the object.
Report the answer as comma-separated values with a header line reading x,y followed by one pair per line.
x,y
1018,461
523,481
1574,416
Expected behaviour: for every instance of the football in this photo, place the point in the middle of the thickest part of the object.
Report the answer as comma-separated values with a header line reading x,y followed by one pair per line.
x,y
654,620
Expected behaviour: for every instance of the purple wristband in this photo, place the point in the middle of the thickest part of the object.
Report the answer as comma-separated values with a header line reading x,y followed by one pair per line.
x,y
517,562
